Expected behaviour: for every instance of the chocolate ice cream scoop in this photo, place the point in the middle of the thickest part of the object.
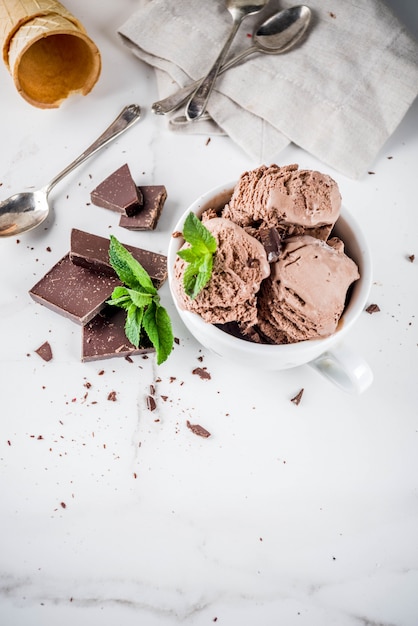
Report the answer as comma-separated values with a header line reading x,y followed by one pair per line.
x,y
294,201
295,304
239,266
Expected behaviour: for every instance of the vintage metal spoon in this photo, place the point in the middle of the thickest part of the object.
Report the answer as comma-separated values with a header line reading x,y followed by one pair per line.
x,y
275,35
239,9
26,210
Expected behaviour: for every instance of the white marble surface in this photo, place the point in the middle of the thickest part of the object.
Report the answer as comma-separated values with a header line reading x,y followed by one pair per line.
x,y
112,514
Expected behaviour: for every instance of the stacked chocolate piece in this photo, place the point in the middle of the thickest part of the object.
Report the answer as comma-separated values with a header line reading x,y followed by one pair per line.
x,y
139,207
81,283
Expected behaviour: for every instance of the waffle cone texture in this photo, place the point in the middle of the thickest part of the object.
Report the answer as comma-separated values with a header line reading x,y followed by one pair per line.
x,y
47,51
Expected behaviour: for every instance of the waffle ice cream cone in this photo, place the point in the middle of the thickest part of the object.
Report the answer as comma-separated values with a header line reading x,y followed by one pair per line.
x,y
47,51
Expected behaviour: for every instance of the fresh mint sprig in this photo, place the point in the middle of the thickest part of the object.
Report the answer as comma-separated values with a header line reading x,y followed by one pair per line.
x,y
140,299
199,255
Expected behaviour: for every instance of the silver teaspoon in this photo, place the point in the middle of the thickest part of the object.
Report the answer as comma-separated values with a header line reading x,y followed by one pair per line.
x,y
239,9
26,210
275,35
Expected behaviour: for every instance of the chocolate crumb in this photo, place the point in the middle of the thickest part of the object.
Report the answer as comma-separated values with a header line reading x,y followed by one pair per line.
x,y
177,340
197,429
112,396
207,141
298,397
63,505
411,257
44,351
332,15
371,172
202,373
100,373
129,359
177,234
373,308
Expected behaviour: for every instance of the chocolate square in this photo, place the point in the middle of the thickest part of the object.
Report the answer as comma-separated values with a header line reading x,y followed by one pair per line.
x,y
118,192
147,218
92,252
74,291
104,337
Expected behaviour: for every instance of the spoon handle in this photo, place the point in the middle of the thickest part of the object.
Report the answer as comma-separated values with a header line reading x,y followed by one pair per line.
x,y
126,118
181,95
197,103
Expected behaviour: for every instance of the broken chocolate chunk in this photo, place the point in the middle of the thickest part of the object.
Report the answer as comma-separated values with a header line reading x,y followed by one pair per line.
x,y
118,192
92,252
271,240
197,429
147,218
202,373
104,337
45,351
74,291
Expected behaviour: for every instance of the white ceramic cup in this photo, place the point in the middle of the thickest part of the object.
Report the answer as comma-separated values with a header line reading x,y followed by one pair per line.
x,y
329,356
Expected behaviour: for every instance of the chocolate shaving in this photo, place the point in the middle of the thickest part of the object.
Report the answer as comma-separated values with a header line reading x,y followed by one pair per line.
x,y
197,429
373,308
151,405
298,397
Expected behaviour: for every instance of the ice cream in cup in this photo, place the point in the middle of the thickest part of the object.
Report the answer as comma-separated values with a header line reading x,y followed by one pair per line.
x,y
279,296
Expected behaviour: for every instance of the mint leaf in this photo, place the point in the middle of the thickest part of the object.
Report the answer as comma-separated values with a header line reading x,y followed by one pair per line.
x,y
198,235
157,325
199,255
133,324
128,269
141,301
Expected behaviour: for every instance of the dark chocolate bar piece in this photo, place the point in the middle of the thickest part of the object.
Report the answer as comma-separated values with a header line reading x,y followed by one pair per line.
x,y
271,240
104,337
74,291
118,192
147,218
92,252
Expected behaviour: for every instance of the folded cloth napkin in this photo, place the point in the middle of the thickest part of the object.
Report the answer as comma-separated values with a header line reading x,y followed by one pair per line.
x,y
339,94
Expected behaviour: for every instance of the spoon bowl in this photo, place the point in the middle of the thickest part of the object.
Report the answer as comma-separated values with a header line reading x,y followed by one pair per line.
x,y
275,35
27,210
22,212
283,30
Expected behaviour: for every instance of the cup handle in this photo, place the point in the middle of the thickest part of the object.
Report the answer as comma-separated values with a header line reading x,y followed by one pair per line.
x,y
345,369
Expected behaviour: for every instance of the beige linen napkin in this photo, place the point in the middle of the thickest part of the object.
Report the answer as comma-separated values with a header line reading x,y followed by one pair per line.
x,y
339,94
